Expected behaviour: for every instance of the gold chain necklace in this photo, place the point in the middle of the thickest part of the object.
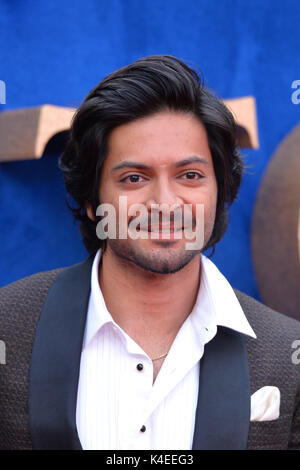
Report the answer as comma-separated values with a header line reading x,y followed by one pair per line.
x,y
159,357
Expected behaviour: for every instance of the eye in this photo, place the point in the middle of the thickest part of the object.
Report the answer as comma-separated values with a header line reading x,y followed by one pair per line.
x,y
192,175
132,179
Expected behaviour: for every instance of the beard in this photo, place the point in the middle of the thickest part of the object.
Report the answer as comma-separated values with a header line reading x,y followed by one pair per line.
x,y
161,259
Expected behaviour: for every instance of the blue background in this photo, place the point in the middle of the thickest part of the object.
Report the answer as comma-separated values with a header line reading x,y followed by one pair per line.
x,y
56,51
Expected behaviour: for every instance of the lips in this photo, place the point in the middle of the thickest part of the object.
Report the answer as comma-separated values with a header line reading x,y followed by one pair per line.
x,y
164,228
161,229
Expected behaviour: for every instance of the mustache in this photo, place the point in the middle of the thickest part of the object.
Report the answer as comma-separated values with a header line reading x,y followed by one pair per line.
x,y
160,221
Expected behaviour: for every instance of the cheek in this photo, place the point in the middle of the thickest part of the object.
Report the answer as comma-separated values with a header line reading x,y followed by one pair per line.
x,y
212,203
106,192
210,212
105,185
209,200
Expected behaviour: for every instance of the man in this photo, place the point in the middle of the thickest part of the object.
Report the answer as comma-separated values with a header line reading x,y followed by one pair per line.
x,y
145,345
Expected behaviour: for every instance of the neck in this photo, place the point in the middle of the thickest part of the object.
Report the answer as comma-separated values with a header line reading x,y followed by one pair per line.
x,y
150,307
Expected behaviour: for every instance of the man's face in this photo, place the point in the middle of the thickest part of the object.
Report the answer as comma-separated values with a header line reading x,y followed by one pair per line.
x,y
152,161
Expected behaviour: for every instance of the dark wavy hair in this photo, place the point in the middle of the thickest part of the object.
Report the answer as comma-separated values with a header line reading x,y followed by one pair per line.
x,y
141,89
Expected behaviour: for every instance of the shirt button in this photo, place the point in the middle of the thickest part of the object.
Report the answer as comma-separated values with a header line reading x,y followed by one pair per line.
x,y
143,428
140,366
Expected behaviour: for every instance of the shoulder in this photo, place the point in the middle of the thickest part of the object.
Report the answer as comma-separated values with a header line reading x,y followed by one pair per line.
x,y
29,288
26,296
21,302
265,320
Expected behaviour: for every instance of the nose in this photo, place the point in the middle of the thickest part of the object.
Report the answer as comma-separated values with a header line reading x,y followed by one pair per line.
x,y
164,193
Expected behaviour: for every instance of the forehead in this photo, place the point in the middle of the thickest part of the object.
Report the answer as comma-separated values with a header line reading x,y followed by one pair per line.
x,y
158,140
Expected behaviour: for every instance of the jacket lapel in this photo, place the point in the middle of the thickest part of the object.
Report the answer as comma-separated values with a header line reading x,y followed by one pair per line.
x,y
55,360
223,408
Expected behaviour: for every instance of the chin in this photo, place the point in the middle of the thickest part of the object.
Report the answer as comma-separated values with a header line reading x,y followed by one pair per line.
x,y
162,257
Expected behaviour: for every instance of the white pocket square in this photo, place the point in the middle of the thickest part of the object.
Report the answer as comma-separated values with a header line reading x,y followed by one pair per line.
x,y
265,404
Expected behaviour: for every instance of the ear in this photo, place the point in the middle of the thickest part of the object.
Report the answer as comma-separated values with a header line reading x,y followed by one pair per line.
x,y
89,212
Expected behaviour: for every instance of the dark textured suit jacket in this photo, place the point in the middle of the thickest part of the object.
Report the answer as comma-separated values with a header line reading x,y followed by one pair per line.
x,y
42,321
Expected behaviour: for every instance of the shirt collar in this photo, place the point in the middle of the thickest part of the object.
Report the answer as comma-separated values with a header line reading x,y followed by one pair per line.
x,y
97,315
217,295
216,303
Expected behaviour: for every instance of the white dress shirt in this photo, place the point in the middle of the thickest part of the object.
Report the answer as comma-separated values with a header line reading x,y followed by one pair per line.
x,y
116,400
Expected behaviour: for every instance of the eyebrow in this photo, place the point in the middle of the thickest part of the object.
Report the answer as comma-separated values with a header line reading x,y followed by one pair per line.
x,y
142,166
189,160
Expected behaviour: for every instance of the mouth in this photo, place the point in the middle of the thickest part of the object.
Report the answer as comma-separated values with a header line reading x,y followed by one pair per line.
x,y
161,232
163,229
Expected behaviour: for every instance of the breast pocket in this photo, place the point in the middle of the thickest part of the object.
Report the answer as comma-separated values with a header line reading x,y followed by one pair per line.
x,y
269,435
